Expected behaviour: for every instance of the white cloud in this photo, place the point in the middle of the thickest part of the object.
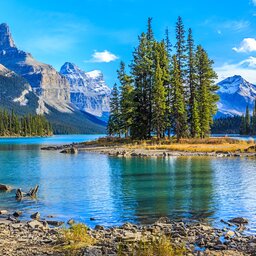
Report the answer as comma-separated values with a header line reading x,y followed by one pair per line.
x,y
104,56
247,45
254,2
245,68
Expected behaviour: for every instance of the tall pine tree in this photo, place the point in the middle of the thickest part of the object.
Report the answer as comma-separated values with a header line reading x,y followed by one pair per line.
x,y
126,100
114,127
207,97
179,113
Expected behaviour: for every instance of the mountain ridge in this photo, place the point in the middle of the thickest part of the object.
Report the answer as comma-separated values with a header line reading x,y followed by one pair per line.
x,y
39,88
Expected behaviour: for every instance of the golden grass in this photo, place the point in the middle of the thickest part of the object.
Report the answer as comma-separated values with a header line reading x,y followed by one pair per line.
x,y
158,247
189,145
76,237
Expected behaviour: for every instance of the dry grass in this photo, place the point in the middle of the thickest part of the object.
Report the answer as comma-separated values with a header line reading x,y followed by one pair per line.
x,y
158,247
76,237
189,145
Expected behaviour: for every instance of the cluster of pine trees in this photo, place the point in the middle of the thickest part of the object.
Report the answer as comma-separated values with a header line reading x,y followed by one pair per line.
x,y
226,125
29,125
248,123
170,89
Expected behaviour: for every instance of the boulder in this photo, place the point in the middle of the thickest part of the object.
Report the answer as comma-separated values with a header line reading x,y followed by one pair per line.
x,y
3,212
17,214
35,224
5,187
239,220
55,223
69,151
35,216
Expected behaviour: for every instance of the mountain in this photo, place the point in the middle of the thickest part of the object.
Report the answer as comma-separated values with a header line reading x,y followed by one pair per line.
x,y
235,94
88,90
16,92
39,88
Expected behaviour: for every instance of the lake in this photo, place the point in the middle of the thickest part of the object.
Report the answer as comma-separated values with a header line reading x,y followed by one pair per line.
x,y
116,190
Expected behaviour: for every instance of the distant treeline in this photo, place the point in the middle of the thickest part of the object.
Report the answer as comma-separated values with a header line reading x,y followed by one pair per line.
x,y
30,125
244,125
227,125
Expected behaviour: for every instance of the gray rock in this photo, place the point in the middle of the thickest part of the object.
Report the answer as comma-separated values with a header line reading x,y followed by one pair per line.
x,y
35,224
4,187
239,220
55,223
17,214
35,216
71,222
69,151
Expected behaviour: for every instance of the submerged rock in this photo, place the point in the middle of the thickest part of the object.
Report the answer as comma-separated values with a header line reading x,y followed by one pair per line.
x,y
239,220
4,187
69,151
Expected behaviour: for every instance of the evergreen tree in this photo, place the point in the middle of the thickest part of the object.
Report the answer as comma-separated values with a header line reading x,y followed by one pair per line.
x,y
114,118
159,96
253,128
181,48
243,126
193,111
143,72
167,67
179,113
247,121
126,100
207,88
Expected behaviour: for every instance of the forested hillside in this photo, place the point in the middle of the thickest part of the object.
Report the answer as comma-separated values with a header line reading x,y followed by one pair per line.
x,y
29,125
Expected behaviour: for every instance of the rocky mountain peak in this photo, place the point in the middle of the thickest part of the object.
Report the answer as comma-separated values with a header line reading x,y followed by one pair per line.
x,y
69,68
235,94
89,91
6,41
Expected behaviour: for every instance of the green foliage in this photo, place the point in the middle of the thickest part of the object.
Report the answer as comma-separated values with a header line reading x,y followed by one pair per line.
x,y
126,100
227,125
179,113
114,124
29,125
158,246
158,95
165,93
207,98
248,123
76,237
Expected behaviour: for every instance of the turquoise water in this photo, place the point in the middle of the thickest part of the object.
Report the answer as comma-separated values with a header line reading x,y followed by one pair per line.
x,y
115,190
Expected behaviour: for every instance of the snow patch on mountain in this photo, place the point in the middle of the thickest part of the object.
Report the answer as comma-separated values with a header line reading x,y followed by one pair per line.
x,y
22,98
88,90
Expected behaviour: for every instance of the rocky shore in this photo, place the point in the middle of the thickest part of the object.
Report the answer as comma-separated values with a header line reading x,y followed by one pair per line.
x,y
37,237
119,151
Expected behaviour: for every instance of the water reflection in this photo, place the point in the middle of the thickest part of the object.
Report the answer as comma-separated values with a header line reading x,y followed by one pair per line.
x,y
151,188
115,190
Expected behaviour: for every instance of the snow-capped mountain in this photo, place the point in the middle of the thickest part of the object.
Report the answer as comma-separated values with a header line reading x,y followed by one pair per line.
x,y
29,86
88,90
235,94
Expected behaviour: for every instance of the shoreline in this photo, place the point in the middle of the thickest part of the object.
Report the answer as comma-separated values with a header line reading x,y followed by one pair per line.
x,y
119,151
37,237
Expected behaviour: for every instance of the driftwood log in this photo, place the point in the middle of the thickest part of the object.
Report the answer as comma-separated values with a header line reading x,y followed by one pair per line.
x,y
32,193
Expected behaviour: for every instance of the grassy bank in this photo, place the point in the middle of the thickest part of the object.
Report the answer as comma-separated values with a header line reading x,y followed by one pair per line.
x,y
184,145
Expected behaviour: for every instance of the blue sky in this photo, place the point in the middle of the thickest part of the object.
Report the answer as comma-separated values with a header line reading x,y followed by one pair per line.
x,y
97,34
